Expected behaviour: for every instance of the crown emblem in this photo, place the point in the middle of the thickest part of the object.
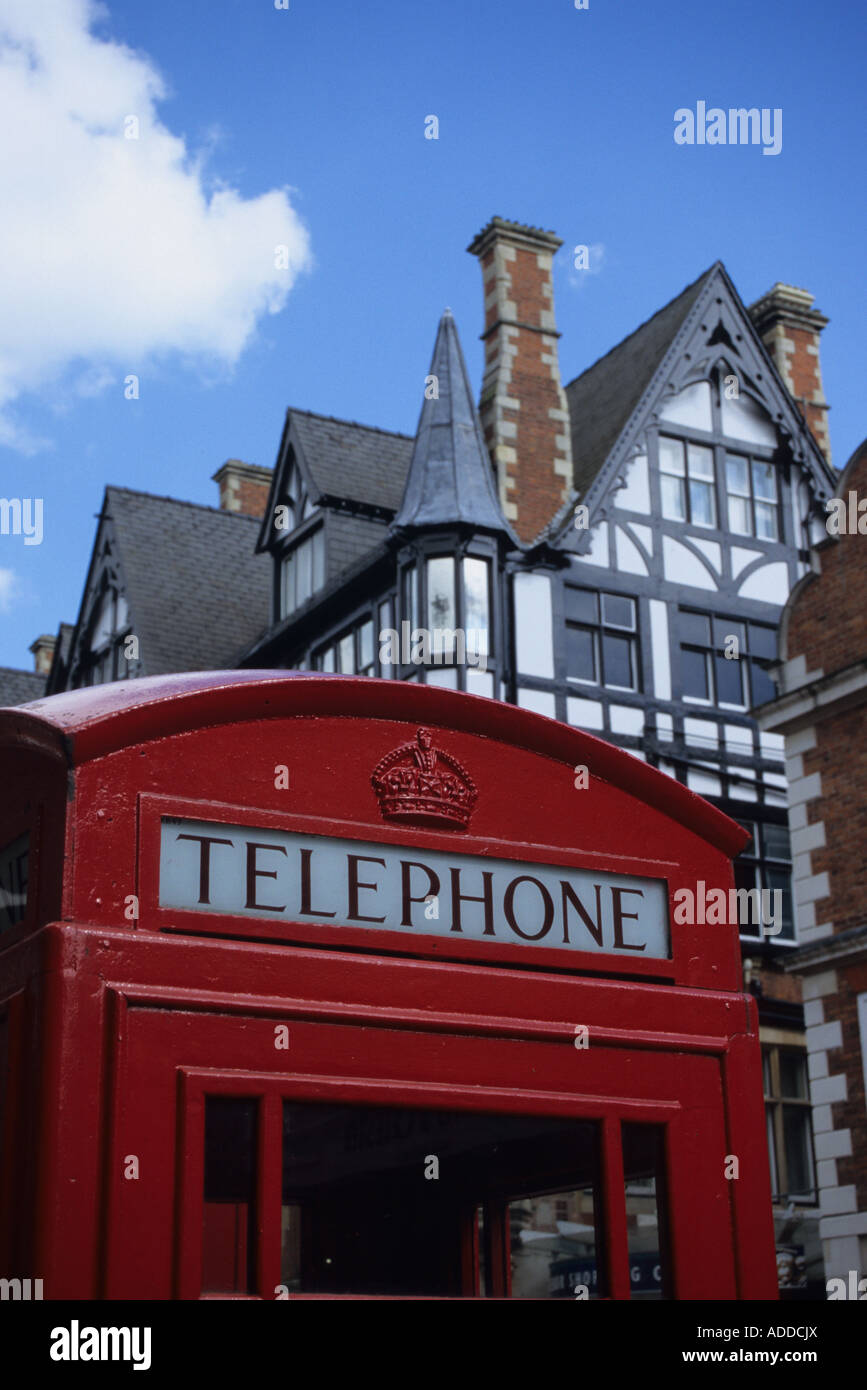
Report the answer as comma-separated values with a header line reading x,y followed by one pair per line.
x,y
420,783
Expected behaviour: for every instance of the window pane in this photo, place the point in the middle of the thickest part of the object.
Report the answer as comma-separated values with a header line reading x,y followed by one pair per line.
x,y
288,586
671,458
617,661
772,1150
694,671
582,605
764,481
729,681
796,1132
646,1220
763,641
122,614
701,503
385,625
410,595
740,520
328,659
365,645
346,650
480,682
780,881
762,687
793,1075
673,498
775,841
318,540
444,676
726,627
766,521
695,628
229,1226
303,572
618,611
700,461
104,625
441,593
580,653
476,603
737,479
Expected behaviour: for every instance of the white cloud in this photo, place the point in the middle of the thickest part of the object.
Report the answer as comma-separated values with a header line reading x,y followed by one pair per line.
x,y
115,250
9,589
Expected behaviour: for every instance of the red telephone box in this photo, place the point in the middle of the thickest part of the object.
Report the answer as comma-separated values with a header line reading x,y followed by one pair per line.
x,y
313,986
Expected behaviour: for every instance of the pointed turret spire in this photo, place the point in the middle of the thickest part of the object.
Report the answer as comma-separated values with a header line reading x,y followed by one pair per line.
x,y
449,478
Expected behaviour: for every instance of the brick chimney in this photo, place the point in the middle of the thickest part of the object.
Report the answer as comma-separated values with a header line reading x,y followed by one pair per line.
x,y
523,407
43,653
790,329
243,487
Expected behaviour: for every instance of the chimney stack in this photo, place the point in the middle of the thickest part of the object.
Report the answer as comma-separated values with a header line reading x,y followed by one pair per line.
x,y
523,408
43,653
243,487
790,329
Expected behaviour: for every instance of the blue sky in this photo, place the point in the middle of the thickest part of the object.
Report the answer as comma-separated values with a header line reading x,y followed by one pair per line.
x,y
306,126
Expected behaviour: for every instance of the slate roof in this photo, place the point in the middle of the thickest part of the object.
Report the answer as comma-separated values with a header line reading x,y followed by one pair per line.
x,y
450,477
19,687
198,594
602,399
352,461
350,539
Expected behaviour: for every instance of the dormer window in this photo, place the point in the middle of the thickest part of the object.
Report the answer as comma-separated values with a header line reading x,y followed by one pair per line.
x,y
302,572
106,660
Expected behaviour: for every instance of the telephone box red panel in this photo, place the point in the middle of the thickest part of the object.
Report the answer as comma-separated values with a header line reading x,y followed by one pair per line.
x,y
324,987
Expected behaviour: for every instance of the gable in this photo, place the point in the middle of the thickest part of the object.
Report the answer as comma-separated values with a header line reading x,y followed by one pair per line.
x,y
343,464
711,332
602,400
188,584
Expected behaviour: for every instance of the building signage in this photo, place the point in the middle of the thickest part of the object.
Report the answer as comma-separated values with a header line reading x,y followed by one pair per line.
x,y
246,871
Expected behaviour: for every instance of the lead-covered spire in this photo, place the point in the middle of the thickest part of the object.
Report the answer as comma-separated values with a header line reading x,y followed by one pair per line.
x,y
450,478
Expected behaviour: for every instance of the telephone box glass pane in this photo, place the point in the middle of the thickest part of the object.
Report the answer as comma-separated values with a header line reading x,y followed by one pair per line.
x,y
553,1244
385,1201
228,1238
646,1221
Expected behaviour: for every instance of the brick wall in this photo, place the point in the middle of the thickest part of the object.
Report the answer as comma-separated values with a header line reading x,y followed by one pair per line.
x,y
825,642
523,408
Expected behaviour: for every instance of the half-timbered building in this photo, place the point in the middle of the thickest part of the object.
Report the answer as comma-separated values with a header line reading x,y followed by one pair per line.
x,y
614,553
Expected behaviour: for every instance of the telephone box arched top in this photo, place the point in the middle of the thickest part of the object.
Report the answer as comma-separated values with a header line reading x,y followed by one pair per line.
x,y
359,814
